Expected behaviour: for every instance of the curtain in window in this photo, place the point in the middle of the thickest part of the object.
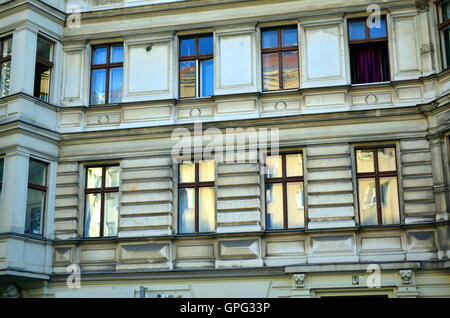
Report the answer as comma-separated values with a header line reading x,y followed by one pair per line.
x,y
370,62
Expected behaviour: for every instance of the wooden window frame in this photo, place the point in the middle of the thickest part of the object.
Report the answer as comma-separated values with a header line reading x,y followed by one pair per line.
x,y
197,58
42,189
279,50
102,191
46,63
284,180
196,185
107,66
376,174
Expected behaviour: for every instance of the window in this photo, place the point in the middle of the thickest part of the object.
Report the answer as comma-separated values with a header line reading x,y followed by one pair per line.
x,y
101,201
106,74
196,66
196,197
44,65
377,186
5,65
280,58
444,29
37,191
369,57
285,200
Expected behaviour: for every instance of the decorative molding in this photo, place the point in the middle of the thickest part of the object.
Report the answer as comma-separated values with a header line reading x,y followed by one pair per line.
x,y
299,280
422,6
406,275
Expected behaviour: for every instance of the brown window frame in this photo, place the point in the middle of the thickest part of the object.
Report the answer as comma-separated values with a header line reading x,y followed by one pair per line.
x,y
42,189
368,40
48,64
7,58
284,180
196,185
102,191
377,174
279,50
107,66
2,160
197,58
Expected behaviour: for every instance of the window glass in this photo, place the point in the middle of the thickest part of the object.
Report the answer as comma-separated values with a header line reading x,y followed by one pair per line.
x,y
294,165
7,47
112,176
111,214
93,215
207,211
207,171
274,206
98,87
378,31
207,78
290,70
94,178
44,49
295,202
187,172
186,199
357,30
271,75
274,167
5,76
42,82
115,90
389,200
187,78
367,201
446,36
187,47
365,161
100,55
289,37
37,173
386,159
445,9
269,39
34,211
205,45
117,54
2,162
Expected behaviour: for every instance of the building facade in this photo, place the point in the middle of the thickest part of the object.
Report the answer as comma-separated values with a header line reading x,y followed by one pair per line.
x,y
332,118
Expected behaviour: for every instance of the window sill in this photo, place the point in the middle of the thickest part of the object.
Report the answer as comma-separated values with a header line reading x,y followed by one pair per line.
x,y
371,84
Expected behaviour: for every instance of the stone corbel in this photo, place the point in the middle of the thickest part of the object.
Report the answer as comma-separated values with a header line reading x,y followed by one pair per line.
x,y
406,276
299,280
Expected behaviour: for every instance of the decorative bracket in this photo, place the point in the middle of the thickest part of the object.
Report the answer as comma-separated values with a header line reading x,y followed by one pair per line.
x,y
299,280
406,276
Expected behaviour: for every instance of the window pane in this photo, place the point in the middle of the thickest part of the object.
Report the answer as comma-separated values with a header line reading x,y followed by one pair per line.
x,y
207,210
112,176
42,82
44,49
207,78
207,171
117,54
2,162
356,30
296,205
367,201
289,37
187,47
445,7
187,172
5,76
269,39
273,167
274,206
186,208
187,79
94,178
115,85
93,214
446,36
37,173
35,209
100,55
7,47
98,87
111,225
389,200
205,45
290,70
294,165
365,161
386,159
271,76
378,31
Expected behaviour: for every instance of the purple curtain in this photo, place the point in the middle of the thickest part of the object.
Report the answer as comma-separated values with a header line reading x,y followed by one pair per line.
x,y
370,62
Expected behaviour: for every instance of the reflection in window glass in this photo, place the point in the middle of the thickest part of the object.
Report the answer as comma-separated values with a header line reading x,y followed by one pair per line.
x,y
296,206
116,54
93,214
99,55
271,76
112,176
386,159
290,70
94,177
187,172
205,45
378,30
115,91
367,202
269,39
289,37
207,209
389,200
186,208
36,194
44,49
294,165
274,167
111,214
187,47
98,87
37,173
274,206
365,161
187,78
357,30
207,78
207,170
5,66
42,82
